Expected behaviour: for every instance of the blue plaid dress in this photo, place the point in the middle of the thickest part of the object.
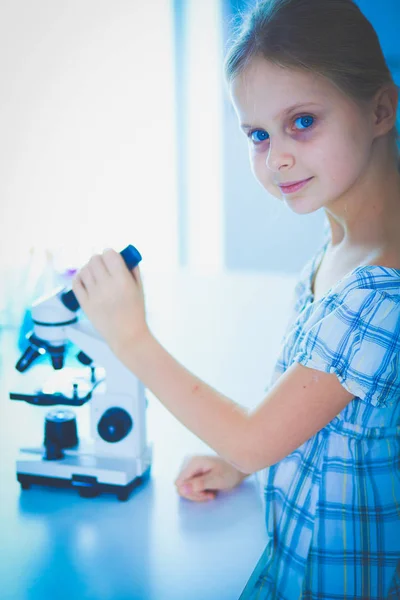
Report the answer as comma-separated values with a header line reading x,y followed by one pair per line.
x,y
333,505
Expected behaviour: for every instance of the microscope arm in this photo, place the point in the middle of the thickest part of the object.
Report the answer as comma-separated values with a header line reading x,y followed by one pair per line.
x,y
85,337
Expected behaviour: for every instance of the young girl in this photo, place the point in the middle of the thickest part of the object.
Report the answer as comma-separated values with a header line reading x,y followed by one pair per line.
x,y
317,102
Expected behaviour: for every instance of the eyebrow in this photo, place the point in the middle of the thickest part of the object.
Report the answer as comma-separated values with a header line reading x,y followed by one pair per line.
x,y
285,112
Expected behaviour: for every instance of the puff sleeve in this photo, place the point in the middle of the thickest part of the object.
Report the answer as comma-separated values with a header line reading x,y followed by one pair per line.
x,y
357,337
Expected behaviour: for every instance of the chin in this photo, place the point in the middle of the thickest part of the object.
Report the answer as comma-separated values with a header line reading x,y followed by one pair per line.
x,y
302,204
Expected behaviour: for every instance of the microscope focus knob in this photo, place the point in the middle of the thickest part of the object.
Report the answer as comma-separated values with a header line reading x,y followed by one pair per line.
x,y
115,424
131,256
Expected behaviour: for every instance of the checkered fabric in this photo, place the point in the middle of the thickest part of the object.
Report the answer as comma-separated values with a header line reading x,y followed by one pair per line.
x,y
333,505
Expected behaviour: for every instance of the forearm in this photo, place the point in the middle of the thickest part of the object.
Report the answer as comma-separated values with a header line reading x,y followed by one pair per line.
x,y
214,418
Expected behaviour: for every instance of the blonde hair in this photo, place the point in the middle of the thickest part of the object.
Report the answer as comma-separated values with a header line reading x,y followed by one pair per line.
x,y
330,37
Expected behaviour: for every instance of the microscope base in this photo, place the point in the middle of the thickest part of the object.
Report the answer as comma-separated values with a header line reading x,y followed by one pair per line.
x,y
87,489
89,475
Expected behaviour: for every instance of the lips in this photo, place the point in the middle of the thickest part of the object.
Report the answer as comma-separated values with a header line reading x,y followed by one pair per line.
x,y
294,186
290,183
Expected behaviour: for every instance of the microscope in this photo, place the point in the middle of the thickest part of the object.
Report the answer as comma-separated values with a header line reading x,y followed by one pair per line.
x,y
116,458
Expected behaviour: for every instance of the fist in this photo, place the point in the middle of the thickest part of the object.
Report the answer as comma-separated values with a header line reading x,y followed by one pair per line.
x,y
201,477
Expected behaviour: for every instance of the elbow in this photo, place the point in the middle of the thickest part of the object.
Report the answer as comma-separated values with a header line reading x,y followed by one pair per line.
x,y
242,468
248,456
239,460
255,462
248,467
248,463
250,460
254,454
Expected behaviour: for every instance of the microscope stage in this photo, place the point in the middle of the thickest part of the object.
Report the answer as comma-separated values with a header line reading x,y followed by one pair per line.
x,y
70,386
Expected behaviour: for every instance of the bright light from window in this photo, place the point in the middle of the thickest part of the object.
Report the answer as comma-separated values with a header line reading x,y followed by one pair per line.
x,y
205,96
88,129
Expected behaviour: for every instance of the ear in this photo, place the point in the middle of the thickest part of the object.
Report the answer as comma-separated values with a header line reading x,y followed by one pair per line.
x,y
385,109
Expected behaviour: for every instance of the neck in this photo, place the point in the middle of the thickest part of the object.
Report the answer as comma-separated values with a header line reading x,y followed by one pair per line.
x,y
368,215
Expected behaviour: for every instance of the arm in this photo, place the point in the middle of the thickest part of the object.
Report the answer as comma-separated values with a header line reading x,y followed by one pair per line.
x,y
302,401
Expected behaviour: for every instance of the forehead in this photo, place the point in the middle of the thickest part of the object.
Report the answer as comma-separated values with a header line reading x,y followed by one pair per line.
x,y
263,90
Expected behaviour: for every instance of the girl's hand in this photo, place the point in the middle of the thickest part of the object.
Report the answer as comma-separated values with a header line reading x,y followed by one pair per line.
x,y
201,477
112,298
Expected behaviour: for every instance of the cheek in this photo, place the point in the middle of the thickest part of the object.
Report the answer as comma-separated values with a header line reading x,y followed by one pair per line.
x,y
259,167
344,157
263,175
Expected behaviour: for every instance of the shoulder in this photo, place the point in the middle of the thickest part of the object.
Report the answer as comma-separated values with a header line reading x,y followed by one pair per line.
x,y
354,303
355,333
367,289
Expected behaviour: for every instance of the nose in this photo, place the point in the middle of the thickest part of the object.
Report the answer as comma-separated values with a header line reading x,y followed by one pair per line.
x,y
278,159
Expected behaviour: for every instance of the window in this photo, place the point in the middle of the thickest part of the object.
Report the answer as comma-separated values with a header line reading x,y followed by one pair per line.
x,y
88,129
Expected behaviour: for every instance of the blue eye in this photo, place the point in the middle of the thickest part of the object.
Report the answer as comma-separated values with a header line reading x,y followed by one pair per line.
x,y
306,121
258,135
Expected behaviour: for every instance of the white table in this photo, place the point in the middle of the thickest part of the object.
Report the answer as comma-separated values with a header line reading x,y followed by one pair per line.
x,y
226,328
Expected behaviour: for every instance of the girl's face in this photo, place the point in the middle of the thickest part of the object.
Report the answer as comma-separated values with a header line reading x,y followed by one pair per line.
x,y
325,138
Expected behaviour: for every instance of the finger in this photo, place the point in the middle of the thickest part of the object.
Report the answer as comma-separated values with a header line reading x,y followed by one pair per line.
x,y
138,277
190,473
199,485
114,261
184,468
192,466
87,278
78,287
204,498
207,482
197,497
98,268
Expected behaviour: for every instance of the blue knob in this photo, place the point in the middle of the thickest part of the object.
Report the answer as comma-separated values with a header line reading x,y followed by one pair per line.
x,y
131,257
